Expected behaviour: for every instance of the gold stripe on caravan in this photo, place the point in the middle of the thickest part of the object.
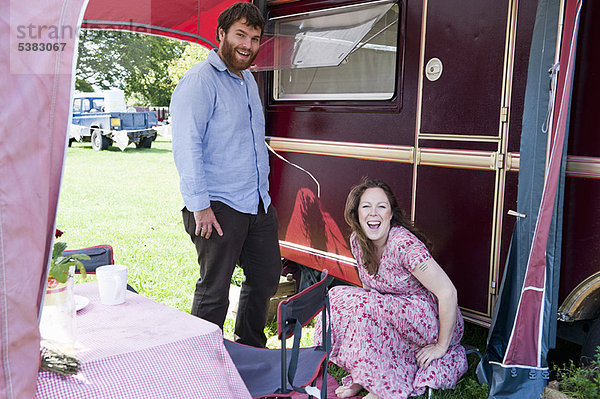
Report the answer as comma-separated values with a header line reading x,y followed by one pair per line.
x,y
375,152
583,167
577,166
484,160
512,161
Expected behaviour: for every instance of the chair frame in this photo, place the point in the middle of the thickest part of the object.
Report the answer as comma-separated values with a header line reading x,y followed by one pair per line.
x,y
293,314
286,329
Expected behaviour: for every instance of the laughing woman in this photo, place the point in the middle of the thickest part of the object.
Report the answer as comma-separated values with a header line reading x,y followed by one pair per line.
x,y
401,331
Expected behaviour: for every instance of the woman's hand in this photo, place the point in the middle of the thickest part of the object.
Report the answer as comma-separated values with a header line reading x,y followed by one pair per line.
x,y
428,353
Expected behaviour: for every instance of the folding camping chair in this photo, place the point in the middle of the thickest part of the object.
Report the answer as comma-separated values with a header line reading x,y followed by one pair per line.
x,y
100,255
278,372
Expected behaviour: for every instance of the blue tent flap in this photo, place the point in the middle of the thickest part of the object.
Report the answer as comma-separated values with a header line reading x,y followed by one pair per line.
x,y
524,323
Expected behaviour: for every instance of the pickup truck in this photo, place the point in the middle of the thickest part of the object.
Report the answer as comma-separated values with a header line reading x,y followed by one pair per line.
x,y
104,119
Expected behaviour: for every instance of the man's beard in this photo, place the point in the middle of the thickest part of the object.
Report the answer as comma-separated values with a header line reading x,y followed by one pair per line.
x,y
231,57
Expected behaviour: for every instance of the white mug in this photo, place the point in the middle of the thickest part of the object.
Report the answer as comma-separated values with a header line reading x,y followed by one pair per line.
x,y
112,284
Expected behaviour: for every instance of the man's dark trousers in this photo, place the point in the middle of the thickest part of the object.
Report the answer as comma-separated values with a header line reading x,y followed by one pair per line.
x,y
251,240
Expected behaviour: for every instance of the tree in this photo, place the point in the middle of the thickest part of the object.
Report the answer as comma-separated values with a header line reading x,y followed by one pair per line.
x,y
134,62
192,54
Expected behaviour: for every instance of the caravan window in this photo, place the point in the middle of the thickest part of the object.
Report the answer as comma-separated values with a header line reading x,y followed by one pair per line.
x,y
344,53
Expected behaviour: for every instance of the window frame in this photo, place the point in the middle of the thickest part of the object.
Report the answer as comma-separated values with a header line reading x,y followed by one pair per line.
x,y
76,106
86,105
392,105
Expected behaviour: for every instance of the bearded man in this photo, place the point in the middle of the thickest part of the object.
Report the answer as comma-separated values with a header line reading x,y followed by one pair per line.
x,y
220,153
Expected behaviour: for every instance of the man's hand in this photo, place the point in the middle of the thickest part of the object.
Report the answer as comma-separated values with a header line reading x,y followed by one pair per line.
x,y
205,220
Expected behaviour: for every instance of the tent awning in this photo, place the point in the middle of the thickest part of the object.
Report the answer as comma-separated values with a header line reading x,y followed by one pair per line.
x,y
193,21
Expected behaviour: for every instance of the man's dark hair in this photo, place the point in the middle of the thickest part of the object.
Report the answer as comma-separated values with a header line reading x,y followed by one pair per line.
x,y
240,11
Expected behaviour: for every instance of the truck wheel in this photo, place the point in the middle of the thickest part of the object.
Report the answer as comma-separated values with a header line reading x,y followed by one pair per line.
x,y
145,142
99,141
592,341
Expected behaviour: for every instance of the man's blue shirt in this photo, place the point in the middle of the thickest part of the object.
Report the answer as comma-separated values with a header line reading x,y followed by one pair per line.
x,y
218,130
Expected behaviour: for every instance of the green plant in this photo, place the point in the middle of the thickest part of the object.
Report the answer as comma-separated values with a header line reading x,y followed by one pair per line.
x,y
238,276
60,264
583,381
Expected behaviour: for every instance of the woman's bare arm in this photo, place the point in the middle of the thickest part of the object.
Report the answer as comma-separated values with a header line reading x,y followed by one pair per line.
x,y
433,277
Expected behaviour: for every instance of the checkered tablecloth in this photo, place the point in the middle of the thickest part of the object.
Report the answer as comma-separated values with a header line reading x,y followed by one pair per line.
x,y
143,349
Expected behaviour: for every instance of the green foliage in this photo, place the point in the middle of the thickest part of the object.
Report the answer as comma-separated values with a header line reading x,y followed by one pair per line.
x,y
466,388
581,382
134,62
192,55
228,328
336,372
472,389
271,328
59,266
83,86
238,276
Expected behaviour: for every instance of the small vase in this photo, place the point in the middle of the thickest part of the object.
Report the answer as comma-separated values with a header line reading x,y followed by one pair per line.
x,y
58,312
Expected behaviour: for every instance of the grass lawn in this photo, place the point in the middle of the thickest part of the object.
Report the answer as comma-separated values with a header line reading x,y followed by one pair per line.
x,y
130,199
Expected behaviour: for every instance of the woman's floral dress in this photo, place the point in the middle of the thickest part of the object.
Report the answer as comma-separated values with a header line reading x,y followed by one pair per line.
x,y
376,333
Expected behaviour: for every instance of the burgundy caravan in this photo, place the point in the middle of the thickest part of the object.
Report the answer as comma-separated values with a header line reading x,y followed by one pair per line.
x,y
428,96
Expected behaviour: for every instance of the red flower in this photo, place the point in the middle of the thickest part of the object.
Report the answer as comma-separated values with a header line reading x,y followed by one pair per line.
x,y
58,233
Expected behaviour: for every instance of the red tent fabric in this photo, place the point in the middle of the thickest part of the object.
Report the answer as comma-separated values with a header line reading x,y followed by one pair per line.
x,y
193,21
36,77
35,104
